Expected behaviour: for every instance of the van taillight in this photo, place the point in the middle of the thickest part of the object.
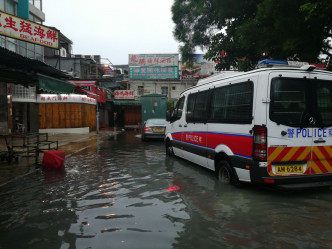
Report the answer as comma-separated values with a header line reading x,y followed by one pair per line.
x,y
259,151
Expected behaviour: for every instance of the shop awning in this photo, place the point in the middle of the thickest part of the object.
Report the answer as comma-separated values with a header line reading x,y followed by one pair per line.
x,y
18,69
53,85
127,102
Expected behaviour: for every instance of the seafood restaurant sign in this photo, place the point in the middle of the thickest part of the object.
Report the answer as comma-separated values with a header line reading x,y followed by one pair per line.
x,y
25,30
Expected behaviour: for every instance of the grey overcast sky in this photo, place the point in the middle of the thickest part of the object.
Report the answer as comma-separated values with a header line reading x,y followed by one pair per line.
x,y
114,28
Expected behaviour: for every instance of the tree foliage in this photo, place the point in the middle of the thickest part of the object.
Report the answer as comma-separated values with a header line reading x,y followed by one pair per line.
x,y
251,30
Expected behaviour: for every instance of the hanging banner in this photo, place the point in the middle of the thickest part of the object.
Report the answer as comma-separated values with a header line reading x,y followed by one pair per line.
x,y
153,60
153,73
25,30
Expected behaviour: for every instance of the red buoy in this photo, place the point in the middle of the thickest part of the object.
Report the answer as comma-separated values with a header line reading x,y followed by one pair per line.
x,y
54,159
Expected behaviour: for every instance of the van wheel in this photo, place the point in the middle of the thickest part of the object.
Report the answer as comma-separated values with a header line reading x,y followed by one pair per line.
x,y
226,174
169,148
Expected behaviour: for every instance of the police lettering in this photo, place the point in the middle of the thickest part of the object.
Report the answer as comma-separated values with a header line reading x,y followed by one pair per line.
x,y
192,138
309,133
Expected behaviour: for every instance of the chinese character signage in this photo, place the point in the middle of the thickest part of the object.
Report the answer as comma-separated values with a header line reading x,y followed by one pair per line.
x,y
22,29
200,68
65,98
153,73
153,60
124,94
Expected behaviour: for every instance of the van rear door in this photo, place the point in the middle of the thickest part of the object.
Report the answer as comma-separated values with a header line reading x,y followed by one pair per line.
x,y
290,122
321,161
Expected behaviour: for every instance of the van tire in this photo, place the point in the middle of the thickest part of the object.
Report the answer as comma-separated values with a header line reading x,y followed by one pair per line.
x,y
169,148
226,174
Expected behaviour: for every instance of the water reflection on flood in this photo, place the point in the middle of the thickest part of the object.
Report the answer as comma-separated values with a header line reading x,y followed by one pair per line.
x,y
118,198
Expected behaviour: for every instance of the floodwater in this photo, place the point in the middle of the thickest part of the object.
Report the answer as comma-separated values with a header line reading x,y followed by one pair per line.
x,y
116,195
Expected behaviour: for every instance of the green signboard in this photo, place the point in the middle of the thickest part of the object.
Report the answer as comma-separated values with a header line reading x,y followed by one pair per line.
x,y
153,72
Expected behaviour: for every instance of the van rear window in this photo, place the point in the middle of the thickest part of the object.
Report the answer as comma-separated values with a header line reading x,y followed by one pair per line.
x,y
301,102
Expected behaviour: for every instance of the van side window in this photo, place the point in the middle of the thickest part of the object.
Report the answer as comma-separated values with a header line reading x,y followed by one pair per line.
x,y
178,109
232,104
197,107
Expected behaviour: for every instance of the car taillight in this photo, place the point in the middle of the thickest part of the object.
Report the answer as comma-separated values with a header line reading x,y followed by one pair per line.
x,y
146,129
259,151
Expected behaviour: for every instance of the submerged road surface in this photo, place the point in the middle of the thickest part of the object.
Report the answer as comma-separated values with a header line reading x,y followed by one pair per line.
x,y
124,193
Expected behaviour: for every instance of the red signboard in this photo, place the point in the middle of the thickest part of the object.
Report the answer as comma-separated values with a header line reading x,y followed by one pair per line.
x,y
101,95
124,94
25,30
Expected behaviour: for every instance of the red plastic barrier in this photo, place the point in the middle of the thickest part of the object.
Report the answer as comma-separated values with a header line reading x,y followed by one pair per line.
x,y
173,188
54,159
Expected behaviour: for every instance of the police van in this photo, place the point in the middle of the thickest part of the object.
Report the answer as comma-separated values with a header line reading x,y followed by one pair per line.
x,y
272,125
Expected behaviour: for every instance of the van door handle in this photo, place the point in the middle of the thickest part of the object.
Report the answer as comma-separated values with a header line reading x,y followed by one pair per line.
x,y
319,141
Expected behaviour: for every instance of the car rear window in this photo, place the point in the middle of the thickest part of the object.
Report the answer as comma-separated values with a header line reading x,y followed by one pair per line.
x,y
157,122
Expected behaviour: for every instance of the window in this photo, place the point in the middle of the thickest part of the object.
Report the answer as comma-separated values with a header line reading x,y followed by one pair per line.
x,y
197,108
11,44
10,7
178,110
22,92
140,90
2,42
232,104
2,5
37,4
22,48
295,101
324,101
164,90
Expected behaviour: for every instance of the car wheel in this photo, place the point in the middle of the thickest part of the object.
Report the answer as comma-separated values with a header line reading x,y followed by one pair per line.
x,y
169,148
226,175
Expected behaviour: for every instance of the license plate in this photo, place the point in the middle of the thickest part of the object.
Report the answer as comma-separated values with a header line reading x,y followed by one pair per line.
x,y
158,129
289,169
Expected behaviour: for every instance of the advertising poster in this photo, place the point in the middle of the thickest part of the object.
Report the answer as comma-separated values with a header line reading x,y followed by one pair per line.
x,y
201,68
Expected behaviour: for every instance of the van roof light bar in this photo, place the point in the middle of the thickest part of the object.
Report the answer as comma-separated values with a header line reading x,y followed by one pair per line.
x,y
271,63
308,68
295,64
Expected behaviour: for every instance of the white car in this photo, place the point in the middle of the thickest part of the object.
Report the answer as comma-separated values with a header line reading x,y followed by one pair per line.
x,y
154,128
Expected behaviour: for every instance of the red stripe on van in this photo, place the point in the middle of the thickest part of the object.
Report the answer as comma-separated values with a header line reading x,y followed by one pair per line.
x,y
241,145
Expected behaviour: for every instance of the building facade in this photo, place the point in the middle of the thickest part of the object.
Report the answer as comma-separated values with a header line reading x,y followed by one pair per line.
x,y
20,108
22,67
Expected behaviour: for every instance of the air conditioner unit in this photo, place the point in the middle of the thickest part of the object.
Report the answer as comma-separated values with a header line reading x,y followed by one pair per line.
x,y
63,52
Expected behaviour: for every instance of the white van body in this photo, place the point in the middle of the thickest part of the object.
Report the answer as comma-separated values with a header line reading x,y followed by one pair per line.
x,y
270,126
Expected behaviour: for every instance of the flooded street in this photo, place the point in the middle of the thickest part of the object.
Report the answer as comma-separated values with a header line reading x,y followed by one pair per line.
x,y
116,195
